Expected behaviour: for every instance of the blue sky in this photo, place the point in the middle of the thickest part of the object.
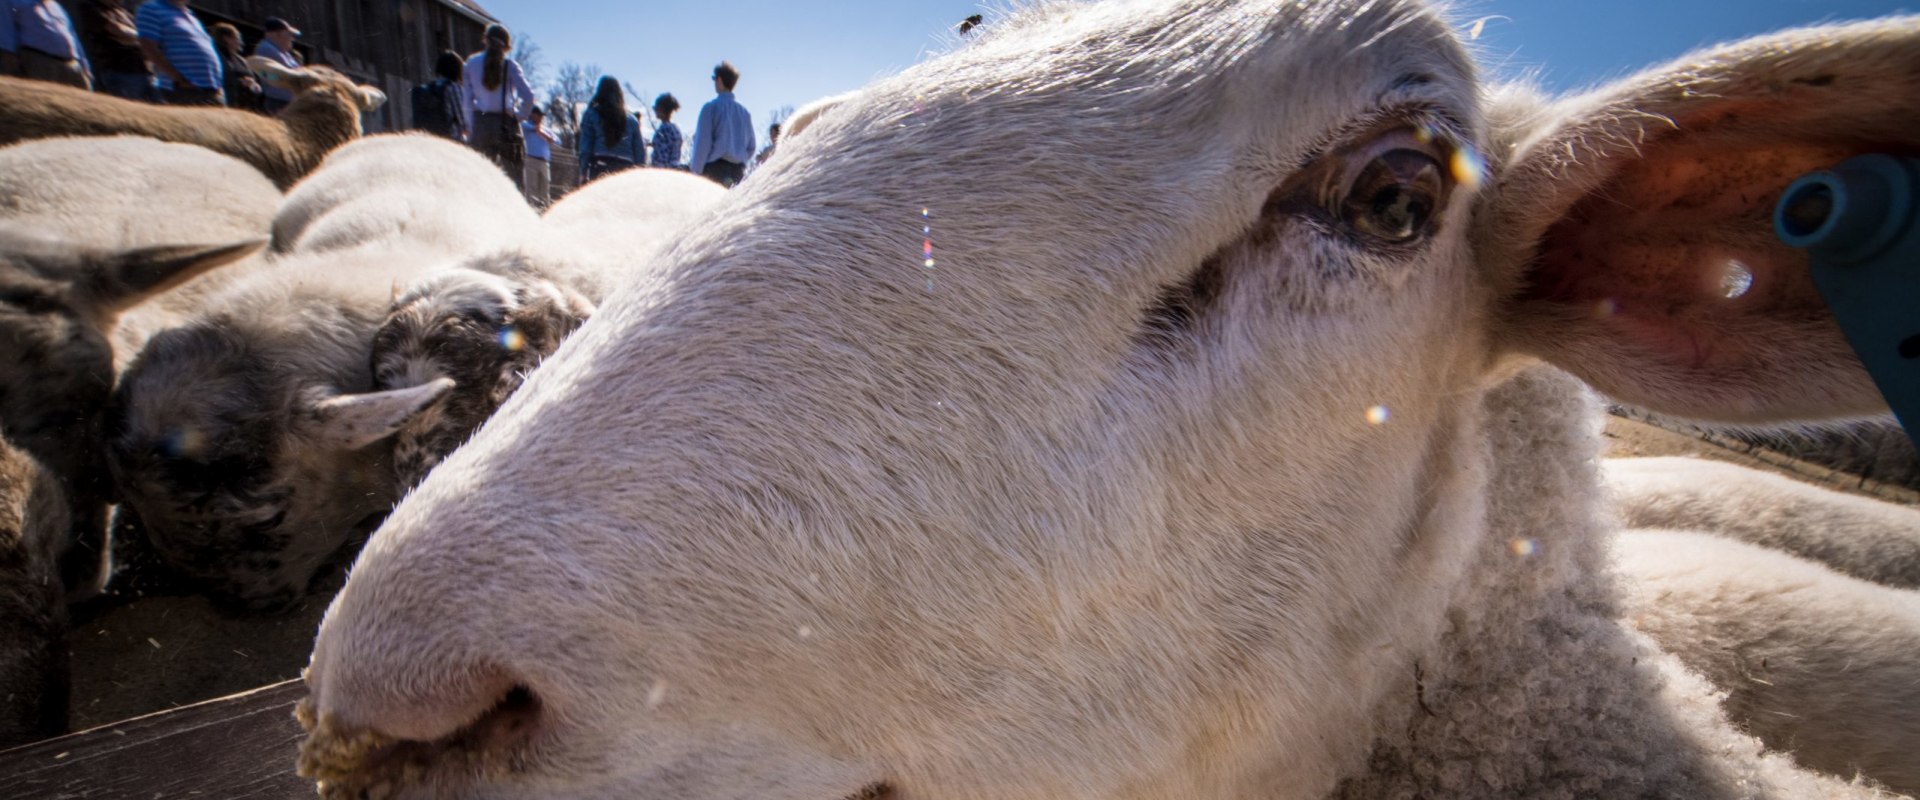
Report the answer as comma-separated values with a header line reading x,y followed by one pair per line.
x,y
792,52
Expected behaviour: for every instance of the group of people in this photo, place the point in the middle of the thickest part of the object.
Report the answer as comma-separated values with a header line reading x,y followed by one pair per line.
x,y
159,52
485,101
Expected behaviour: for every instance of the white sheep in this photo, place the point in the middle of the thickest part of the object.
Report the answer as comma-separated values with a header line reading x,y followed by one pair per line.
x,y
488,323
1856,536
250,440
1134,403
1813,662
324,114
1815,657
400,185
82,190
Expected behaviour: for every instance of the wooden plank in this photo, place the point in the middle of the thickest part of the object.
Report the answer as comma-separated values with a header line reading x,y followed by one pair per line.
x,y
239,747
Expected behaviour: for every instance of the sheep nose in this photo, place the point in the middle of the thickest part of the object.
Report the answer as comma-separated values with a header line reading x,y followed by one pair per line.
x,y
462,728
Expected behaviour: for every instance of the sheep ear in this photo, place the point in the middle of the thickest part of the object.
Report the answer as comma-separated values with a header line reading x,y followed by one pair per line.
x,y
812,112
354,421
280,75
1636,223
119,280
369,98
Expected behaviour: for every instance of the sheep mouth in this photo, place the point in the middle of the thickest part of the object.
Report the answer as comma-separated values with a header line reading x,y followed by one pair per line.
x,y
350,764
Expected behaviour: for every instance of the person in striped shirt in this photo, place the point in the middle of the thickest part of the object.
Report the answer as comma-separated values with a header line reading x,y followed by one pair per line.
x,y
182,52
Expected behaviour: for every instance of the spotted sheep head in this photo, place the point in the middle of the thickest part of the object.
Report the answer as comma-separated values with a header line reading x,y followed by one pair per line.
x,y
484,331
1151,479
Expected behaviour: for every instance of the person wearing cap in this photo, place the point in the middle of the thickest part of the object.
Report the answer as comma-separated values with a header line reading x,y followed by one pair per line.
x,y
278,45
182,52
539,168
37,41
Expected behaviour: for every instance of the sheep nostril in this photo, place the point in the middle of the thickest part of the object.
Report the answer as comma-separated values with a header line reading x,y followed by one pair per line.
x,y
509,724
358,763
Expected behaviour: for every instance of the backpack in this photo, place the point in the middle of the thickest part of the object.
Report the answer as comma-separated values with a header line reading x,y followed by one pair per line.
x,y
435,108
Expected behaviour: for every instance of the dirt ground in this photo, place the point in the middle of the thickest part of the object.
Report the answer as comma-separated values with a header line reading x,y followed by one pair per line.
x,y
158,653
162,652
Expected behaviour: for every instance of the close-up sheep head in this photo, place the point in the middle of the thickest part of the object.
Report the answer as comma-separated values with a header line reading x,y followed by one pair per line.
x,y
1102,410
481,330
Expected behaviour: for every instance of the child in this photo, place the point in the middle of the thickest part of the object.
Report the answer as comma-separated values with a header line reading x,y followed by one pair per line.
x,y
666,135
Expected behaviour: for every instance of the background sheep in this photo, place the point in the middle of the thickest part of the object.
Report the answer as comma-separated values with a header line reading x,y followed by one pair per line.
x,y
1813,662
134,221
1870,540
57,304
324,114
488,323
249,441
1218,472
83,189
33,611
412,187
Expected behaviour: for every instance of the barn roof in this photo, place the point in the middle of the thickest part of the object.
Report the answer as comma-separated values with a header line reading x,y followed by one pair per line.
x,y
471,9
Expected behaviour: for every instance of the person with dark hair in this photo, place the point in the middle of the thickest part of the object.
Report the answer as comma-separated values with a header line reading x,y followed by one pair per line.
x,y
666,136
242,88
497,100
177,45
723,138
37,42
113,47
277,44
439,105
609,136
773,140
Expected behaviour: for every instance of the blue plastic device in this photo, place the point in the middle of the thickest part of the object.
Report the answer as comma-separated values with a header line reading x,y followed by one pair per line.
x,y
1858,222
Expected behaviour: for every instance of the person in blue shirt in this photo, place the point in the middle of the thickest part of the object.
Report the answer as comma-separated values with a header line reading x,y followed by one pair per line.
x,y
609,136
723,138
539,183
667,140
37,41
277,44
182,52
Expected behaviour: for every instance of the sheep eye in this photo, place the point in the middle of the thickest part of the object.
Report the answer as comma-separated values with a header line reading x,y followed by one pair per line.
x,y
1394,197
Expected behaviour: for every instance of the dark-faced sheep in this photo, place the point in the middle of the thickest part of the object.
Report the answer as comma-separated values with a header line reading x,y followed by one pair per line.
x,y
56,192
325,113
58,304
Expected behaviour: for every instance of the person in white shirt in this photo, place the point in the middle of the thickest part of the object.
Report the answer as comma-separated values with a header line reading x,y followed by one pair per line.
x,y
497,100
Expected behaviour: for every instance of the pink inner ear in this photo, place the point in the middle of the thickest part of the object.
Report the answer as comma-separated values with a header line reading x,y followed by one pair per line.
x,y
1676,254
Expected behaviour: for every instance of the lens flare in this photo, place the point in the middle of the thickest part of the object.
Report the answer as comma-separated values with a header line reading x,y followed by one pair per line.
x,y
1523,547
185,442
1377,415
512,340
1468,168
1736,281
